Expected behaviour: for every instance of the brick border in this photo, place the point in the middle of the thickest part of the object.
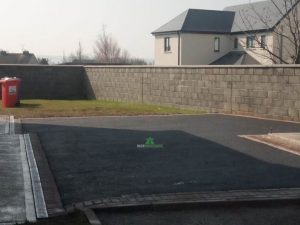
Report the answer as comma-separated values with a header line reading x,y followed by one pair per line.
x,y
235,196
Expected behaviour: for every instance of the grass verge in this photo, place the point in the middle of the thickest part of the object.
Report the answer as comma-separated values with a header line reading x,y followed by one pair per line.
x,y
66,108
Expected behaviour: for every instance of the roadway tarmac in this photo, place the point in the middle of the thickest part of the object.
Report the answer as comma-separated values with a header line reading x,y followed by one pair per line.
x,y
236,214
98,157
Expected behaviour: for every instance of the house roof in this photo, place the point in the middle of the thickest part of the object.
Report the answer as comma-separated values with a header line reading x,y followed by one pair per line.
x,y
262,15
236,58
17,58
255,16
199,21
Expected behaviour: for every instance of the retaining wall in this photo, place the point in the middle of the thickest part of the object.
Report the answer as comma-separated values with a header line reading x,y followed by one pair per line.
x,y
47,82
263,91
270,92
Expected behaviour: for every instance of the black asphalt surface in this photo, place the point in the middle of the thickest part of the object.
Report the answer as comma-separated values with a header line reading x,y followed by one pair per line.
x,y
98,157
274,214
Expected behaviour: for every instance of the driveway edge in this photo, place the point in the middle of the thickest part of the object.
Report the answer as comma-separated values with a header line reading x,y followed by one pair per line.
x,y
40,206
274,142
51,194
156,200
29,199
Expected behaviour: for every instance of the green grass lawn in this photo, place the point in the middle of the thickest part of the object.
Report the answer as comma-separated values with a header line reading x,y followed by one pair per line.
x,y
66,108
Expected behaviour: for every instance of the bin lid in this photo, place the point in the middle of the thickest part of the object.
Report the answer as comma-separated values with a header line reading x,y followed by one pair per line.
x,y
5,79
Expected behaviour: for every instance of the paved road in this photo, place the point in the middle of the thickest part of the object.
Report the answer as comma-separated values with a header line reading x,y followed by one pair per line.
x,y
98,157
275,214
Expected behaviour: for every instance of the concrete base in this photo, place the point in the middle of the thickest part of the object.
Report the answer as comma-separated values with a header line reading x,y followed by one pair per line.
x,y
289,142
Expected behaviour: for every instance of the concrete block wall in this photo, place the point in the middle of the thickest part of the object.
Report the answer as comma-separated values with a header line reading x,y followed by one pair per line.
x,y
272,92
263,91
47,82
119,84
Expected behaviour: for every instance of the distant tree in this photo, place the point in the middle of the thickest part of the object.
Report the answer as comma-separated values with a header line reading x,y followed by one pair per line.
x,y
108,51
138,61
64,58
125,57
78,57
106,48
43,61
79,52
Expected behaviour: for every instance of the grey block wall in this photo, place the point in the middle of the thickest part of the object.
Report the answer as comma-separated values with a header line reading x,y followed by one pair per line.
x,y
269,92
47,82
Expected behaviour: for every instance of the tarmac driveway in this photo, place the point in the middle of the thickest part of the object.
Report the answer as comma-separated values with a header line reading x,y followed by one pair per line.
x,y
99,157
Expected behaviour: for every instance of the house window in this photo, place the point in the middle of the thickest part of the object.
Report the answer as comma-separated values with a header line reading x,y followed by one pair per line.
x,y
217,44
250,41
167,45
263,41
236,43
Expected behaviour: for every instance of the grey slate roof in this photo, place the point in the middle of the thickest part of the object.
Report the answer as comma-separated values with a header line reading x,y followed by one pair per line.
x,y
199,21
262,15
17,58
236,58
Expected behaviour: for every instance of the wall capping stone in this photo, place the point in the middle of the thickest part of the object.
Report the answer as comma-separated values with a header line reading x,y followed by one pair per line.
x,y
38,65
201,66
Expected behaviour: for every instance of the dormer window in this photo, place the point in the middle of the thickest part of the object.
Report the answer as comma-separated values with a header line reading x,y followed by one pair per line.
x,y
167,45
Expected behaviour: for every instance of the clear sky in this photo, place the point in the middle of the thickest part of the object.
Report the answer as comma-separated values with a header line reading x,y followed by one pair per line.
x,y
51,27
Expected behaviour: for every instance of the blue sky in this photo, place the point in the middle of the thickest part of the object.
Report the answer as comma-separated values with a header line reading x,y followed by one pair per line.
x,y
52,27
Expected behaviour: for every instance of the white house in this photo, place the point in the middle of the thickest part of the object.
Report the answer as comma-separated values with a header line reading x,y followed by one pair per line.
x,y
253,33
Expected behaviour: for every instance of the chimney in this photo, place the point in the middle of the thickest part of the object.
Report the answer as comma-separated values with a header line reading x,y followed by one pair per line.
x,y
26,52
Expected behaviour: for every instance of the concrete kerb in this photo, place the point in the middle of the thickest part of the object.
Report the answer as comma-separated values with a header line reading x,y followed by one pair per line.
x,y
91,216
34,197
123,116
29,199
47,198
34,201
292,138
172,115
276,141
256,117
185,200
5,125
11,125
40,206
51,194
